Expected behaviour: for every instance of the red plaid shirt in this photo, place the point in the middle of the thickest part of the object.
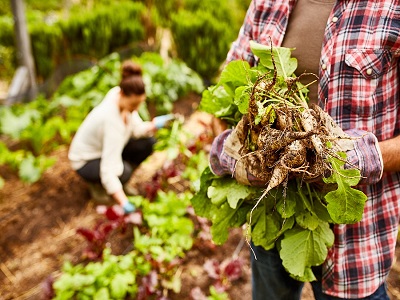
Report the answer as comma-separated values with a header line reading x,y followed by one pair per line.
x,y
360,88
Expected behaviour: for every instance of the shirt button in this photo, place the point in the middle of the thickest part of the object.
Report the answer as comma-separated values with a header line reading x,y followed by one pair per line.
x,y
323,66
369,71
335,19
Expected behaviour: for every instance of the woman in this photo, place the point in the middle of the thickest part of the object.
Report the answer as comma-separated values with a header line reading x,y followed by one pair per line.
x,y
113,139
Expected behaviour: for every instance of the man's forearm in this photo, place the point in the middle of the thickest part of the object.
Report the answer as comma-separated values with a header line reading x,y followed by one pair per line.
x,y
391,154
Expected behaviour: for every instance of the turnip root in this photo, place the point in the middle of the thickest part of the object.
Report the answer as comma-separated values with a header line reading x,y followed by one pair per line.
x,y
292,157
273,139
309,123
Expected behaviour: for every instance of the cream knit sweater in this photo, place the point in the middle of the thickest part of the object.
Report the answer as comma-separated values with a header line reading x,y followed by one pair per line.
x,y
103,134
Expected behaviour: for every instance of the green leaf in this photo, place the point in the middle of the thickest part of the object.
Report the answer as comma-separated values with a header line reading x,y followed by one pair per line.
x,y
345,204
302,248
28,171
321,211
236,72
102,294
65,295
307,220
285,64
13,125
268,228
217,295
225,218
126,262
119,286
242,98
201,203
227,188
258,229
216,101
286,207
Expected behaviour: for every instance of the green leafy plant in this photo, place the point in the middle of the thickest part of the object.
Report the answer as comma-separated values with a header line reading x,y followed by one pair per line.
x,y
113,278
202,33
173,140
170,230
167,81
89,31
29,167
150,269
37,128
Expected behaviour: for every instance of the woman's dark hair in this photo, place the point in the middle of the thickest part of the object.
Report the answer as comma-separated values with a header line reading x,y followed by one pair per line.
x,y
131,79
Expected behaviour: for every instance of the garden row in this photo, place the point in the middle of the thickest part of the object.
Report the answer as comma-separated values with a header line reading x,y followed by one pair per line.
x,y
29,132
164,228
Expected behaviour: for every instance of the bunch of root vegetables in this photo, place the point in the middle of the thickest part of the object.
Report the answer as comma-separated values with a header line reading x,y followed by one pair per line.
x,y
290,140
290,156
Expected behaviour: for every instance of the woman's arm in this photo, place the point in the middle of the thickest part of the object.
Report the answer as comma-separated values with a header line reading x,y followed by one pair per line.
x,y
141,128
123,201
120,197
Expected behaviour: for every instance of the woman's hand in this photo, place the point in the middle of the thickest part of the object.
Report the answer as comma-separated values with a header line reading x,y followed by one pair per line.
x,y
123,201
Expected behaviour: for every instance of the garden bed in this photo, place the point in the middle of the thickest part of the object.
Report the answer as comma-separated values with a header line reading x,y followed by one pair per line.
x,y
38,230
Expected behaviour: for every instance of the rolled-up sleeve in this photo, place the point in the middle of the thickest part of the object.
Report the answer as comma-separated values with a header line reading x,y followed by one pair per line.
x,y
139,127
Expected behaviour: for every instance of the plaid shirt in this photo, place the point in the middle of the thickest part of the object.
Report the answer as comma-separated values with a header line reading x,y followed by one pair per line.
x,y
359,87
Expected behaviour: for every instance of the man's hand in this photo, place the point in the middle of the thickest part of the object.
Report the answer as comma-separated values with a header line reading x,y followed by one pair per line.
x,y
229,156
361,147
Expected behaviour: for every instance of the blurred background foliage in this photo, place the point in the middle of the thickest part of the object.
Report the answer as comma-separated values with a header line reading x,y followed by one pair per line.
x,y
78,46
200,31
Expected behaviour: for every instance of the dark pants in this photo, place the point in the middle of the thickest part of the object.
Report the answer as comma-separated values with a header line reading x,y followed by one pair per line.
x,y
271,281
135,151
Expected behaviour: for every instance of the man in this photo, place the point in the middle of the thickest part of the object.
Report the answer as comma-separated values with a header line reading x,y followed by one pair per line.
x,y
354,48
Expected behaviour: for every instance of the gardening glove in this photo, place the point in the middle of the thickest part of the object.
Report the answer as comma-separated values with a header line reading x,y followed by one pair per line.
x,y
128,207
227,157
161,121
365,156
361,147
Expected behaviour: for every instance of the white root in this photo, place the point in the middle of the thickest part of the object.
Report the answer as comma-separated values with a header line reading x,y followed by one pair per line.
x,y
309,123
279,174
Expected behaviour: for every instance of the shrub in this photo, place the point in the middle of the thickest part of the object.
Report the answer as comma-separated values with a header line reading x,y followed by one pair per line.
x,y
46,47
203,32
90,32
100,31
201,41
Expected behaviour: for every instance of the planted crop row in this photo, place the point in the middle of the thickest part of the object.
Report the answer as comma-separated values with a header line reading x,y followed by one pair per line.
x,y
31,131
164,230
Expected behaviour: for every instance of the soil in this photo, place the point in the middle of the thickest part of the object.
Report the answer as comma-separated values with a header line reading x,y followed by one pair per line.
x,y
38,230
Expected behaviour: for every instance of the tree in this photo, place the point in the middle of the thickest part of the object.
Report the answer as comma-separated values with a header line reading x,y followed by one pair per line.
x,y
24,81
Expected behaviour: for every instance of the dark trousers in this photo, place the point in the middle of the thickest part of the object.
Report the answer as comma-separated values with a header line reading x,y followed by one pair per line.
x,y
271,281
135,151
